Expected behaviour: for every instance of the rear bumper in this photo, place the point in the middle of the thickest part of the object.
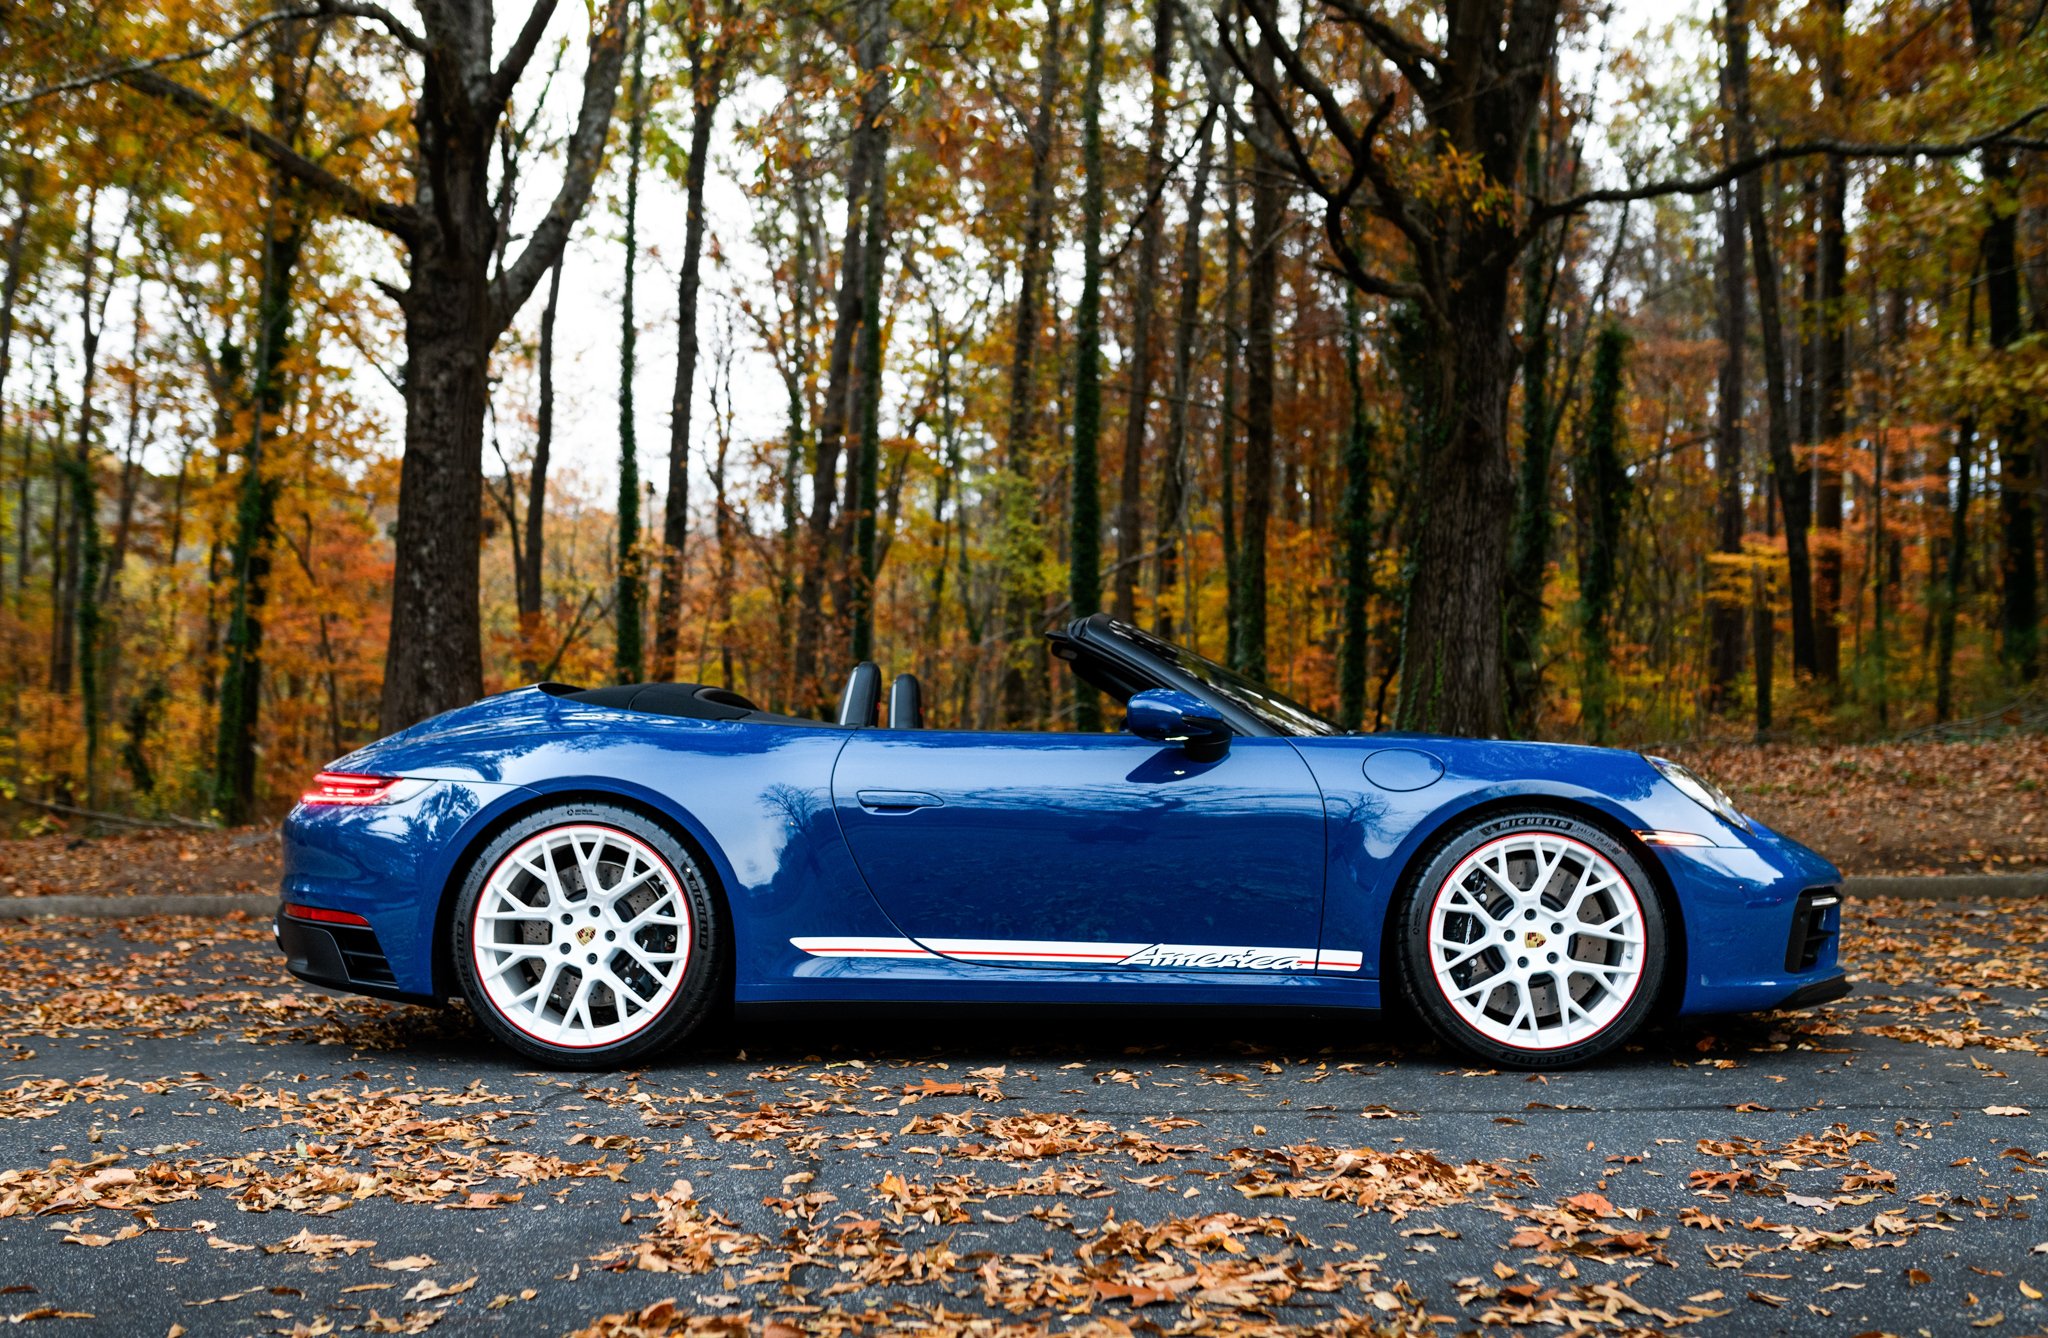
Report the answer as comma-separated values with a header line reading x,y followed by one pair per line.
x,y
339,957
388,864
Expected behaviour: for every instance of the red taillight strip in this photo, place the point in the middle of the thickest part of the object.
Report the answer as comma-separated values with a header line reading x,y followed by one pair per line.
x,y
320,915
342,787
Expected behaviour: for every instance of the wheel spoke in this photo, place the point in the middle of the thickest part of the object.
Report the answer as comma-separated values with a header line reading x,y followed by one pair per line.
x,y
1471,950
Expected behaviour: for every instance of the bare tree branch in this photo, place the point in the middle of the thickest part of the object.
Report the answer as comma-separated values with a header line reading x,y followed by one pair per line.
x,y
523,47
510,289
1543,211
1409,56
401,221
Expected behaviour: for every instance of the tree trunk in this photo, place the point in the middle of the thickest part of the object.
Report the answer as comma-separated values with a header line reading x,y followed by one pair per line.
x,y
1603,488
866,468
1831,372
1949,600
1084,568
1226,417
1725,592
1262,294
1451,679
1789,481
532,556
629,660
2019,602
707,89
1138,402
870,51
1356,528
85,552
241,695
1023,540
435,659
1529,560
10,290
1173,470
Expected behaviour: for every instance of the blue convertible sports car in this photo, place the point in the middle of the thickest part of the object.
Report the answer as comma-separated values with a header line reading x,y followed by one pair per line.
x,y
596,871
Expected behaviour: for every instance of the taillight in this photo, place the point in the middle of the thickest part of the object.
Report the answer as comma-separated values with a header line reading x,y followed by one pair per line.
x,y
341,787
321,915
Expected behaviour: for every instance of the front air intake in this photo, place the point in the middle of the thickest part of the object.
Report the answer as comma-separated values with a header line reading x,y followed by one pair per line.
x,y
1816,919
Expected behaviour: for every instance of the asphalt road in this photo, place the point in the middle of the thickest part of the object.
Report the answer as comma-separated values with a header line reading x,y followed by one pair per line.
x,y
187,1138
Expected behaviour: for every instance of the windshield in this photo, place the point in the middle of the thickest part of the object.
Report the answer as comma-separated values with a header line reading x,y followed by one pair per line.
x,y
1281,714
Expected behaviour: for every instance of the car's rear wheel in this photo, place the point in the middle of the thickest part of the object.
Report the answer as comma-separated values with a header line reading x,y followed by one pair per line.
x,y
586,936
1533,939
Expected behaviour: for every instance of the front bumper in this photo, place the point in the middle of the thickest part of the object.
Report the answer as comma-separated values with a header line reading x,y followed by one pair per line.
x,y
1763,924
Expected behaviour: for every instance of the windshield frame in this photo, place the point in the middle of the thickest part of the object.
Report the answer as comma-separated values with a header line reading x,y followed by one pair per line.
x,y
1274,711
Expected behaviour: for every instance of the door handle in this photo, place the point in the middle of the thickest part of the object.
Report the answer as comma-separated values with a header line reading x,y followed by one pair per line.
x,y
897,801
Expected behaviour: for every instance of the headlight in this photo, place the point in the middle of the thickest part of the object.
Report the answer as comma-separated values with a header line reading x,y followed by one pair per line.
x,y
1701,791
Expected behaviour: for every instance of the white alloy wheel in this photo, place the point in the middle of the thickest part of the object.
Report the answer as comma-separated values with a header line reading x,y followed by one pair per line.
x,y
581,936
1537,941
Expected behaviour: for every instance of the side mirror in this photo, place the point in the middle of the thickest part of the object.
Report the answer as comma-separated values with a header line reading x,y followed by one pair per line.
x,y
1165,716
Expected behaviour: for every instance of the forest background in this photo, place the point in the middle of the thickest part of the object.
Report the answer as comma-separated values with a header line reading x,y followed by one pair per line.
x,y
1500,367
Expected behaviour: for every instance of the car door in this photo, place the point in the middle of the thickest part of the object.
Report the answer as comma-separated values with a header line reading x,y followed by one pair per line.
x,y
1087,850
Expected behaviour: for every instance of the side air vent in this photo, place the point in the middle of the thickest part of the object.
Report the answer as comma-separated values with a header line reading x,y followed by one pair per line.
x,y
1816,919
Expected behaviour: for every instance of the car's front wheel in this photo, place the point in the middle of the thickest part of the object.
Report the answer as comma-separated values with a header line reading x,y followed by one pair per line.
x,y
1533,939
586,936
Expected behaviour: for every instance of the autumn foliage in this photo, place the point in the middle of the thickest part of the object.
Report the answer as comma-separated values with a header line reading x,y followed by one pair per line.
x,y
1024,309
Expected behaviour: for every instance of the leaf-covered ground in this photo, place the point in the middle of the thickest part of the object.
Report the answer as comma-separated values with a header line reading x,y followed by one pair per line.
x,y
1905,808
190,1141
64,864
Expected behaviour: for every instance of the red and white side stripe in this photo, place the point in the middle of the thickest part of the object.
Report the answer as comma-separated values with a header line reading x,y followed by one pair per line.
x,y
1056,952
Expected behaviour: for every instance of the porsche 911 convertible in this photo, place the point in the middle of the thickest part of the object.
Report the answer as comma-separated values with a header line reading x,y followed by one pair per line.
x,y
596,871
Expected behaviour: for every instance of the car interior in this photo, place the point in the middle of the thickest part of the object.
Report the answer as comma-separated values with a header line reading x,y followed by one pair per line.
x,y
862,700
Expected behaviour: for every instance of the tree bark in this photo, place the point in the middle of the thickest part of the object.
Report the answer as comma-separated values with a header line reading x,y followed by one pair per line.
x,y
1725,592
867,466
241,694
1084,566
1262,291
708,54
1789,481
1173,469
1138,400
1023,541
533,554
1831,371
1603,488
2019,581
1529,559
10,290
629,659
1356,529
1226,417
870,52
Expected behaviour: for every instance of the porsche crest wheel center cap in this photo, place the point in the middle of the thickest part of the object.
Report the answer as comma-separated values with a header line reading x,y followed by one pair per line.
x,y
587,933
1532,939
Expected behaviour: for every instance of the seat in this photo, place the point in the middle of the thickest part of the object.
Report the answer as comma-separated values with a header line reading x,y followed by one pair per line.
x,y
906,703
860,705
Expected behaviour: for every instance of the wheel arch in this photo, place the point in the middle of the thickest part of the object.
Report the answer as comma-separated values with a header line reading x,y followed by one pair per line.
x,y
1449,824
673,821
